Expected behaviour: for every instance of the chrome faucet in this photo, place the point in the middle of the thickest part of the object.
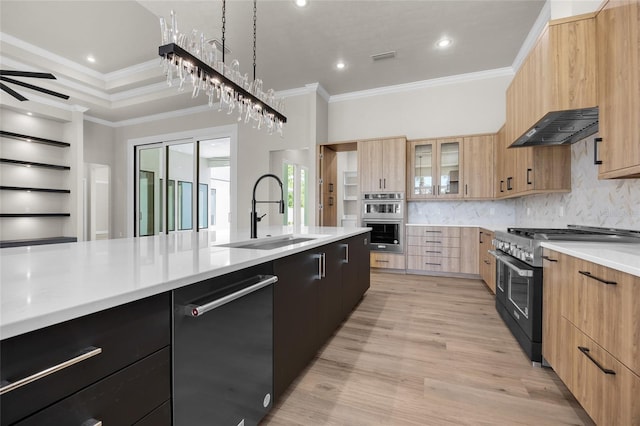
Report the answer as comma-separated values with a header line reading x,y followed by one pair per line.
x,y
254,215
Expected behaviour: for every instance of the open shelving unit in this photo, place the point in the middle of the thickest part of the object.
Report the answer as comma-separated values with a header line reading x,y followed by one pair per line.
x,y
349,198
44,211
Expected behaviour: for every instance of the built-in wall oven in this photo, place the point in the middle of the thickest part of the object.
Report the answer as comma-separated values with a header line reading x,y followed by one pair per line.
x,y
384,214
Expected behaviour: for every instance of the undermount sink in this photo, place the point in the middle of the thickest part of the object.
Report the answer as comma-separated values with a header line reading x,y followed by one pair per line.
x,y
268,243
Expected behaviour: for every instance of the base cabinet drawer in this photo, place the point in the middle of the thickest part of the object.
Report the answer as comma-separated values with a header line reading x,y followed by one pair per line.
x,y
433,263
386,260
606,389
115,338
124,398
436,232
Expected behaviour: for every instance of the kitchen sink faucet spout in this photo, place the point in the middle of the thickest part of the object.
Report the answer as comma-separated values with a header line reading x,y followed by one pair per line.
x,y
254,214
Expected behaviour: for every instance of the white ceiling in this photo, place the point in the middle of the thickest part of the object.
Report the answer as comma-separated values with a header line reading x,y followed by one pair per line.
x,y
295,46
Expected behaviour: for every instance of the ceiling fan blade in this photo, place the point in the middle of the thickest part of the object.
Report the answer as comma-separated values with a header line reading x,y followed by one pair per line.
x,y
28,74
12,92
31,86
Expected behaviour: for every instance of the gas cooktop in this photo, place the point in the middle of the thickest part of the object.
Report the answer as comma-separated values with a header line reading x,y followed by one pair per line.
x,y
575,233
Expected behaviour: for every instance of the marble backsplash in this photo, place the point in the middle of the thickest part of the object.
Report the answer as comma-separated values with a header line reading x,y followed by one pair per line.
x,y
493,214
592,202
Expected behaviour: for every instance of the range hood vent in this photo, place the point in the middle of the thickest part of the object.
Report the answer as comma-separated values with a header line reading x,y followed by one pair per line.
x,y
561,128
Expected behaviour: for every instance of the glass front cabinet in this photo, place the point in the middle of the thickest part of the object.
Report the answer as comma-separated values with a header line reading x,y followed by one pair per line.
x,y
434,168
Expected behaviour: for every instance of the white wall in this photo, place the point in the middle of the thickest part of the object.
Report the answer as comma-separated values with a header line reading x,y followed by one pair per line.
x,y
446,108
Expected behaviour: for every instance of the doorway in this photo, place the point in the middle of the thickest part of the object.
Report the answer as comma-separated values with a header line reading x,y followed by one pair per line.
x,y
183,185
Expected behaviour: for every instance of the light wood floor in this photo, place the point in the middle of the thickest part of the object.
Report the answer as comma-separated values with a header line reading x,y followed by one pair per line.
x,y
425,351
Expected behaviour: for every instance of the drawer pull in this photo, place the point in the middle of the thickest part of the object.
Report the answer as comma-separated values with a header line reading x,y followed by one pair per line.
x,y
86,354
92,422
588,355
432,251
436,232
487,262
265,280
433,242
593,277
435,264
382,261
549,259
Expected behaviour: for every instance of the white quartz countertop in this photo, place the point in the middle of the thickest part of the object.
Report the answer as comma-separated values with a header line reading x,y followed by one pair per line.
x,y
49,284
623,257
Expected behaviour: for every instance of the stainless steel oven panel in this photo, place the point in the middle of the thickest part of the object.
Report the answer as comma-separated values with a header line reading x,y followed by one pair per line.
x,y
375,196
386,235
382,209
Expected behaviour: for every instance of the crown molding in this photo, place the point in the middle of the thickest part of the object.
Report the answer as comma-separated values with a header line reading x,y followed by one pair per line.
x,y
417,85
538,26
151,118
133,69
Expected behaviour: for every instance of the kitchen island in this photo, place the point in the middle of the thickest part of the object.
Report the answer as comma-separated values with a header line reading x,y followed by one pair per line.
x,y
105,311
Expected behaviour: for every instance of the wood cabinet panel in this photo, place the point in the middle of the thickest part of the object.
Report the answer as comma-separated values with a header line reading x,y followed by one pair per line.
x,y
606,389
469,251
433,242
355,271
486,262
618,48
433,263
434,231
478,166
387,260
606,312
381,164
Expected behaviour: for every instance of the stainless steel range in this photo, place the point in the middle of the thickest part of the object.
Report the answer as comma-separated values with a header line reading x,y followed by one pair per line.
x,y
519,275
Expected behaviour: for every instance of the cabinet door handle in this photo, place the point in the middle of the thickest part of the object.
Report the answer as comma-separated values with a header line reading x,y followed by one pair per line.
x,y
596,141
324,265
384,183
593,277
199,310
509,179
501,183
585,351
480,239
487,262
379,183
346,253
529,177
86,353
466,192
92,422
549,259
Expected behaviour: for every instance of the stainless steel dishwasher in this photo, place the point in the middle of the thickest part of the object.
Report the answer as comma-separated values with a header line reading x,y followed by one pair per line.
x,y
223,349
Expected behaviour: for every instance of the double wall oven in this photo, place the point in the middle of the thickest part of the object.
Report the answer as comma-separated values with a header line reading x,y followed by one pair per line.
x,y
384,214
518,254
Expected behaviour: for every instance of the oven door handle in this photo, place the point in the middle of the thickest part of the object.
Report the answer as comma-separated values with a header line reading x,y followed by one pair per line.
x,y
507,261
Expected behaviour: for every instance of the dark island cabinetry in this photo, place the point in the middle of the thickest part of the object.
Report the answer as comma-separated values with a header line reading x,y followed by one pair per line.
x,y
316,290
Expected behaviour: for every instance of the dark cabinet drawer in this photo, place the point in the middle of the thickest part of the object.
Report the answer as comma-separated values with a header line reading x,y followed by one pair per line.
x,y
161,416
124,334
123,398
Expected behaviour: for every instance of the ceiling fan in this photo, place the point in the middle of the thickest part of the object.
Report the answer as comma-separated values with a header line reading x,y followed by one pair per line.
x,y
18,96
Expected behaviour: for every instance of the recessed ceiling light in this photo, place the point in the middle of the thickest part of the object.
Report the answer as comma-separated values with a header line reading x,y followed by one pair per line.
x,y
301,3
91,59
444,43
340,65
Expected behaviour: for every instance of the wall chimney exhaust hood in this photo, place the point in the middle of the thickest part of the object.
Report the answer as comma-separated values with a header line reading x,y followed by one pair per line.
x,y
561,128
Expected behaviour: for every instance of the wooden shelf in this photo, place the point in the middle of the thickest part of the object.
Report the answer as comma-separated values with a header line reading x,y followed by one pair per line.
x,y
27,189
33,164
37,241
35,214
35,139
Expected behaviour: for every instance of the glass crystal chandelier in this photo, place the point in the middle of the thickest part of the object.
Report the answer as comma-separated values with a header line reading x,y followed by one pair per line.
x,y
197,64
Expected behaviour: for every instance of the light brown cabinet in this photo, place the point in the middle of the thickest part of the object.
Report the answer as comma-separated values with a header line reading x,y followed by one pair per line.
x,y
618,41
442,249
434,169
590,335
387,260
486,262
381,164
478,166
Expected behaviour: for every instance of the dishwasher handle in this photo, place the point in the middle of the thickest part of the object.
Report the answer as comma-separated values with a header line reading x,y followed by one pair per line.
x,y
199,310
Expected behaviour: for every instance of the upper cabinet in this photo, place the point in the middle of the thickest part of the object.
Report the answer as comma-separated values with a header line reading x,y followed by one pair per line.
x,y
478,166
558,74
618,37
381,163
434,168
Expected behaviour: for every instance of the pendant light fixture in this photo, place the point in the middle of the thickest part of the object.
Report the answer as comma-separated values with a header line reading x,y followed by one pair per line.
x,y
191,60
